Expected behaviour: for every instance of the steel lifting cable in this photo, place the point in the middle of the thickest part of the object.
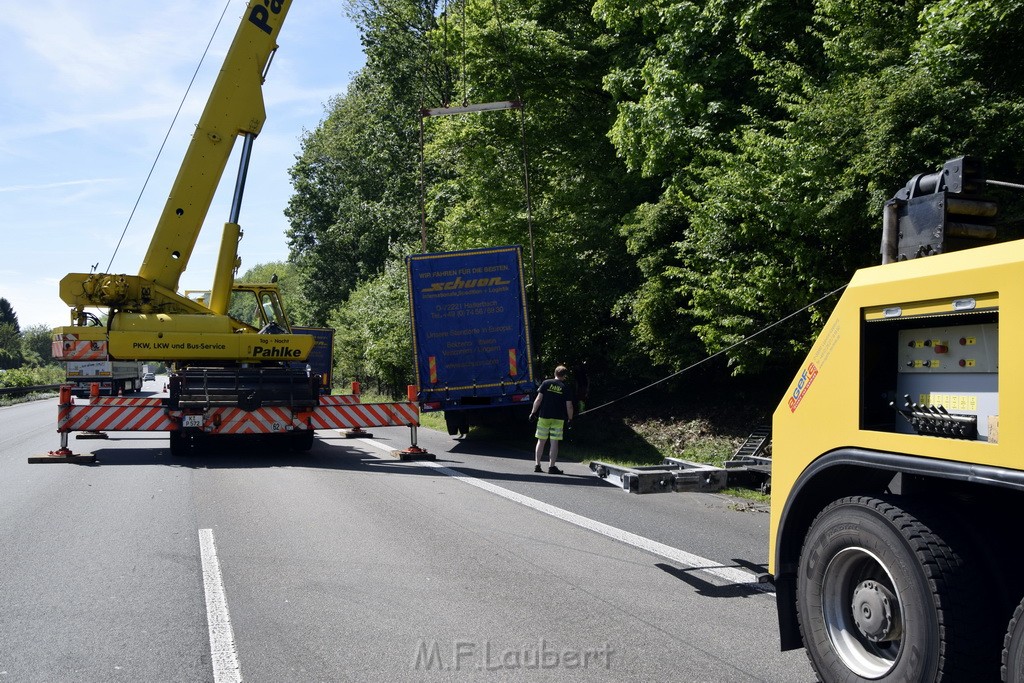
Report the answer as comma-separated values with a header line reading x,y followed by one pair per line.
x,y
526,165
465,86
167,135
741,342
445,101
445,58
518,104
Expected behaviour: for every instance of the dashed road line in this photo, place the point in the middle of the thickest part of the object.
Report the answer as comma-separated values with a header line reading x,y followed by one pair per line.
x,y
223,654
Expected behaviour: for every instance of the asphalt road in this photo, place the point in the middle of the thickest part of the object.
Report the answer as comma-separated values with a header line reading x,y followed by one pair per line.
x,y
345,564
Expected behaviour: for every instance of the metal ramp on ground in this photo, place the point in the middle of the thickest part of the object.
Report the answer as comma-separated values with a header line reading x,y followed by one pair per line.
x,y
751,466
673,475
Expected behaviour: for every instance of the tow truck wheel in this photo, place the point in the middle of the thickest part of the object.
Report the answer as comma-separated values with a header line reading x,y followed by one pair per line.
x,y
1013,648
881,596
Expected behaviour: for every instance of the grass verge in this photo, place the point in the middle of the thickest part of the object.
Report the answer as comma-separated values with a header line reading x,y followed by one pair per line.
x,y
14,400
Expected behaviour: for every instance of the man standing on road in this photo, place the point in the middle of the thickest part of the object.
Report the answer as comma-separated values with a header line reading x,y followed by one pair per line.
x,y
553,409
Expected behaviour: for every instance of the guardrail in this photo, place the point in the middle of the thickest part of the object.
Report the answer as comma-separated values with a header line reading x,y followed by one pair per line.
x,y
20,391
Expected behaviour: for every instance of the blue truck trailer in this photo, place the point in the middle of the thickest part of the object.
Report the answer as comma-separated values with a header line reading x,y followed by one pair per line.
x,y
471,336
321,359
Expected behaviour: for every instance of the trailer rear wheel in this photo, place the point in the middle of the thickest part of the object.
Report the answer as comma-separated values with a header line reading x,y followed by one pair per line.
x,y
457,422
1013,648
882,596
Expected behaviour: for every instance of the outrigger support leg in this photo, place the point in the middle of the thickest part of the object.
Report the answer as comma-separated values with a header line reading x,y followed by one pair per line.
x,y
357,432
63,454
413,452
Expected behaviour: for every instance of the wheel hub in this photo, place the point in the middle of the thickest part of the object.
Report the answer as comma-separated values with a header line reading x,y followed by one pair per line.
x,y
875,612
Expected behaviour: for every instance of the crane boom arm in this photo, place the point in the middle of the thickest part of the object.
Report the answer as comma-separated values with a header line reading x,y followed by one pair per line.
x,y
235,107
148,319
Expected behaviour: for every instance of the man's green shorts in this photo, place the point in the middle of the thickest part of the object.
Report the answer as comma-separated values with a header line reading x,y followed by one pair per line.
x,y
550,428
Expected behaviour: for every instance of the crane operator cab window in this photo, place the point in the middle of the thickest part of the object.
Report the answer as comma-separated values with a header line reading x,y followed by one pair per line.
x,y
258,309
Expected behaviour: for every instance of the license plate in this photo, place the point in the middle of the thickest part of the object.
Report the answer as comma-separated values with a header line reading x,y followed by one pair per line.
x,y
191,420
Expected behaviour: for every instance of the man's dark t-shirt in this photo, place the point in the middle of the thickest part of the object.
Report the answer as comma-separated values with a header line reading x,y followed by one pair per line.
x,y
555,393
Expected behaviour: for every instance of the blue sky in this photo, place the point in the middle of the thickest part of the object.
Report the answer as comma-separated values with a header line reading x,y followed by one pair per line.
x,y
87,93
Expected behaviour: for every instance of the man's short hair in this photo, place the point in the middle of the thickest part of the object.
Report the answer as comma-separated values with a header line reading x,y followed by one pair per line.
x,y
561,371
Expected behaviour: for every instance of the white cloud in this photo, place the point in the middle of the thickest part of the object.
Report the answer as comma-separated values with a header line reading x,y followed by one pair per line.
x,y
54,186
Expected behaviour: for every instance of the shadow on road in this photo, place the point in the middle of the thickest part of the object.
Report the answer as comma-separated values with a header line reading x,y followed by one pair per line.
x,y
711,590
327,453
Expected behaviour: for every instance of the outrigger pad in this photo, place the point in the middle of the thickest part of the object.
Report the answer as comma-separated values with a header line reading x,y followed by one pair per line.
x,y
413,453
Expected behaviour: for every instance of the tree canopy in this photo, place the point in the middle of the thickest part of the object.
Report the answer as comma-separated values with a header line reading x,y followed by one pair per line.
x,y
696,169
10,336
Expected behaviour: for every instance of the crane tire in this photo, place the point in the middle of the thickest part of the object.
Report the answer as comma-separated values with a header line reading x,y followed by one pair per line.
x,y
180,446
301,441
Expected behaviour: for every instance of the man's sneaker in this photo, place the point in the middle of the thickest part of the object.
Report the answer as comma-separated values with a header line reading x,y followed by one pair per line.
x,y
537,468
554,470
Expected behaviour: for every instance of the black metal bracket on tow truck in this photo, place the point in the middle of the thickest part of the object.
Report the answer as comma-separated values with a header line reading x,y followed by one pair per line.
x,y
672,475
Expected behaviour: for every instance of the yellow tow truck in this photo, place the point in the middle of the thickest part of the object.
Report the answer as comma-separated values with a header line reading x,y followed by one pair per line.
x,y
898,455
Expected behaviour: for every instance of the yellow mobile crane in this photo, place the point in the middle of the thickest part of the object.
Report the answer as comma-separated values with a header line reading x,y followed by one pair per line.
x,y
149,319
237,366
898,455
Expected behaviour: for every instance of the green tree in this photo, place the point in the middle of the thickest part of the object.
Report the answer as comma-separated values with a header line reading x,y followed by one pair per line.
x,y
36,343
551,56
8,316
697,168
777,131
373,339
10,336
10,346
355,181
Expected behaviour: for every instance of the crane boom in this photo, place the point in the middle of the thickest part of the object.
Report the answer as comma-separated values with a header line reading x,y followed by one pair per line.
x,y
235,107
237,370
148,319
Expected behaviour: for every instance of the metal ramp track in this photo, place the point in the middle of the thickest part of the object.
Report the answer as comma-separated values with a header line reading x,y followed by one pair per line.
x,y
672,475
755,444
749,466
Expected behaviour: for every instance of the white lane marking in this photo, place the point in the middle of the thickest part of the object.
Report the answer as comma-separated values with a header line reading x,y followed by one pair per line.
x,y
729,574
223,656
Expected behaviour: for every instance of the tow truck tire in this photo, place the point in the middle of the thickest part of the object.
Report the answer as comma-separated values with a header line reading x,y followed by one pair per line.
x,y
1013,648
882,596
